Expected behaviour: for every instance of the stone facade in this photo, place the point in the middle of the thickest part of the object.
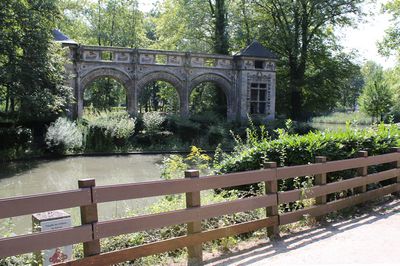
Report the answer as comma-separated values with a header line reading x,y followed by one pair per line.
x,y
247,81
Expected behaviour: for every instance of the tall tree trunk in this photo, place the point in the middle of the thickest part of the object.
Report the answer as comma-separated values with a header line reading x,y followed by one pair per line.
x,y
12,104
296,81
7,99
246,22
134,14
219,12
99,23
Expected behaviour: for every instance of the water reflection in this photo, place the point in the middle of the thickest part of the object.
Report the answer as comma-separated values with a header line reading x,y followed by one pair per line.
x,y
26,178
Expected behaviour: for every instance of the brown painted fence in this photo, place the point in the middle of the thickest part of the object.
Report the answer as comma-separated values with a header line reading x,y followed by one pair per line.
x,y
91,231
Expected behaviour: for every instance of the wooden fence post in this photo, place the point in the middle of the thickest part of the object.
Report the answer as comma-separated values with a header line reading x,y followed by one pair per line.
x,y
272,187
89,215
362,171
397,165
320,179
195,252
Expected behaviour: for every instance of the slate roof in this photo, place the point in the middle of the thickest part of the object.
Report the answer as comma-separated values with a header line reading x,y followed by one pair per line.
x,y
61,37
255,49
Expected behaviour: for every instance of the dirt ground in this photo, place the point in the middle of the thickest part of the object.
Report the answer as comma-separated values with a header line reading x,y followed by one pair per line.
x,y
372,236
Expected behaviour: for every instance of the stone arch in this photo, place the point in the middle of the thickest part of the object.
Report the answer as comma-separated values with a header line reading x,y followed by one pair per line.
x,y
160,76
223,83
101,72
175,81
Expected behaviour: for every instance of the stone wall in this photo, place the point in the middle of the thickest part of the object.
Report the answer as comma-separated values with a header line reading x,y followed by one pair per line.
x,y
135,68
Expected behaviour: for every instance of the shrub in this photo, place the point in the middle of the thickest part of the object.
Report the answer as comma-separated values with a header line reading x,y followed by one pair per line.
x,y
216,134
152,121
18,138
174,165
295,150
108,129
63,135
187,130
343,117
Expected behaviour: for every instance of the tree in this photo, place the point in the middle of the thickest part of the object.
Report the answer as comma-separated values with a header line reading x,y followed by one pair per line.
x,y
184,25
331,80
391,41
294,28
103,22
376,99
219,14
392,78
31,66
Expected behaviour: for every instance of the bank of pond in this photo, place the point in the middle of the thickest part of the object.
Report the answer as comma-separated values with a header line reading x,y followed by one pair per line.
x,y
249,151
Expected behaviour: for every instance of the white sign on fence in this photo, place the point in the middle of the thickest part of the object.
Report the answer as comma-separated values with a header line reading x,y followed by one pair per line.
x,y
48,221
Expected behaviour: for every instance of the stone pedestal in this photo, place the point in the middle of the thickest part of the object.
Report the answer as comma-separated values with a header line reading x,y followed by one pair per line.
x,y
47,221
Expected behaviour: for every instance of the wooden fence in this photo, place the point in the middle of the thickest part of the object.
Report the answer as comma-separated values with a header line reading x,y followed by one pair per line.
x,y
91,231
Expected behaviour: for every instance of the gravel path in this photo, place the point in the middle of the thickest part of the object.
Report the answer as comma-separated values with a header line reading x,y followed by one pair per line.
x,y
371,238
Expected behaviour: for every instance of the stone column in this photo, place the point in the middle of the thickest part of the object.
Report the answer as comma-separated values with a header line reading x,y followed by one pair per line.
x,y
184,104
131,98
79,99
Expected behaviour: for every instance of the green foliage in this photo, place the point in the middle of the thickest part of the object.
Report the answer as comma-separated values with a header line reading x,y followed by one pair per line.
x,y
63,135
108,129
392,79
31,66
357,118
15,137
208,98
106,23
159,96
300,32
391,41
104,93
15,142
174,165
295,150
376,99
153,121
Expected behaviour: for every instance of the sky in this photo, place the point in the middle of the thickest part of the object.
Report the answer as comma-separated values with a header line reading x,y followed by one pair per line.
x,y
365,36
362,38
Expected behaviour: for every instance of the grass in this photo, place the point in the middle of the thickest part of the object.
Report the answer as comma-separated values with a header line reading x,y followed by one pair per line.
x,y
342,118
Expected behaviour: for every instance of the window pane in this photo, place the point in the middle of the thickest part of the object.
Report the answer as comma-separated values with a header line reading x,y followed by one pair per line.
x,y
261,109
253,108
254,96
258,64
254,85
263,85
263,95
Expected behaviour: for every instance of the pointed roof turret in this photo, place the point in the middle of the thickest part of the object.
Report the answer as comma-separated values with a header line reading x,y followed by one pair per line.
x,y
256,49
62,38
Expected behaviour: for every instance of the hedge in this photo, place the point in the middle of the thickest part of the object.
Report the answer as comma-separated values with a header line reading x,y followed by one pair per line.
x,y
289,150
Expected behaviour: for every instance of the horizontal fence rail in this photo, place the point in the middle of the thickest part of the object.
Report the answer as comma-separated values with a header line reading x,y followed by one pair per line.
x,y
147,222
17,206
89,195
178,186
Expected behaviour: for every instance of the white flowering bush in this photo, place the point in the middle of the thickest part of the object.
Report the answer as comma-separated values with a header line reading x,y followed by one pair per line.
x,y
108,129
152,121
63,135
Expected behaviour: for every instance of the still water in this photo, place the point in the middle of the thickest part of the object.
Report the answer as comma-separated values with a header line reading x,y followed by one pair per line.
x,y
40,176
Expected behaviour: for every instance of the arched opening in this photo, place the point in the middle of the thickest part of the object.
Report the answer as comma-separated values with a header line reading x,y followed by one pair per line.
x,y
158,96
104,93
208,98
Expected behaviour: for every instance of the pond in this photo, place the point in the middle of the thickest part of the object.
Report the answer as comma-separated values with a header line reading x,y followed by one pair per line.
x,y
40,176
